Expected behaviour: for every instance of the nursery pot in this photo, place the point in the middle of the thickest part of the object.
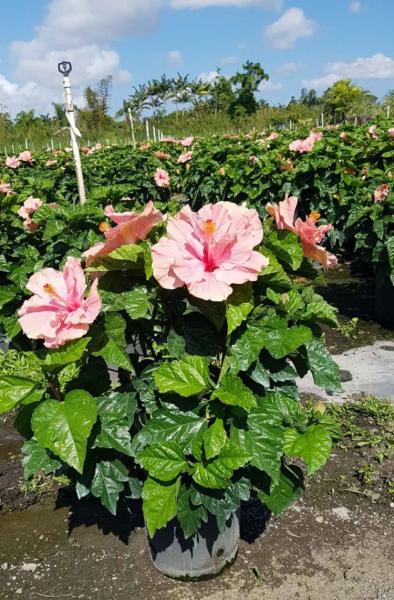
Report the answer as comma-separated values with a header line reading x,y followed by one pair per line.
x,y
203,555
384,299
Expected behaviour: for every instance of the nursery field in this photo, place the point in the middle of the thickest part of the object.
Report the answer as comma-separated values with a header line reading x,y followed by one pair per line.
x,y
169,352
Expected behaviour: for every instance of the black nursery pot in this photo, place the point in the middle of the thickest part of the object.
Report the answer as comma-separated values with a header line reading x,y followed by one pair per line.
x,y
201,556
384,299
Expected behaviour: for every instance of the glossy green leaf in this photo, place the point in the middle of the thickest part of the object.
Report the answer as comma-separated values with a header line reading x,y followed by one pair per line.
x,y
71,352
36,458
313,446
233,391
283,492
159,503
189,516
186,377
325,371
163,461
215,439
108,482
64,427
13,390
247,347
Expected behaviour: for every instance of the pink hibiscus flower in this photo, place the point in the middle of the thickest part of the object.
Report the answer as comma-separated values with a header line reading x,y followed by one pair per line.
x,y
372,132
345,137
130,228
253,159
210,250
310,235
5,188
59,312
50,163
273,136
162,178
26,157
306,145
187,141
390,131
12,162
380,193
162,155
183,158
29,206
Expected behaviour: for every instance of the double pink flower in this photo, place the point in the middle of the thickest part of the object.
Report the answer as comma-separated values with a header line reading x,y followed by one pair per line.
x,y
130,228
162,178
27,209
310,234
185,157
5,188
381,193
210,250
306,145
59,312
187,141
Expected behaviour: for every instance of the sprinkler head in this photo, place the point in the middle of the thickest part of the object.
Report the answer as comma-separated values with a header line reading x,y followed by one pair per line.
x,y
64,68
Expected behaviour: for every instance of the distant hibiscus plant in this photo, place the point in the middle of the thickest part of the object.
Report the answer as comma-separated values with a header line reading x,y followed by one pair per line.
x,y
163,363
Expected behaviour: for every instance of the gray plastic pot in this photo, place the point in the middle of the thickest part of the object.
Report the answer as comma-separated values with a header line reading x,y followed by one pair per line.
x,y
203,555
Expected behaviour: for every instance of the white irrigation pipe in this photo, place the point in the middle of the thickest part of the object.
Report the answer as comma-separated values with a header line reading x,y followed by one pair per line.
x,y
65,69
147,129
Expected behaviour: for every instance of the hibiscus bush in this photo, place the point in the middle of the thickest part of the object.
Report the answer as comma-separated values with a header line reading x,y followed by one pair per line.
x,y
163,363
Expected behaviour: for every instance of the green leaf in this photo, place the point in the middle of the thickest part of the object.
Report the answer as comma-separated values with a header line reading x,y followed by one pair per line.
x,y
116,414
313,446
64,427
216,474
325,371
264,444
108,482
7,294
239,305
233,391
284,492
159,503
13,390
135,302
110,343
176,344
247,348
287,247
275,408
189,516
172,426
52,359
36,458
215,439
281,340
163,461
187,377
11,326
129,256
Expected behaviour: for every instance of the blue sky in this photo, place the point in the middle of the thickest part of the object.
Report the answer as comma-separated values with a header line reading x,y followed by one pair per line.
x,y
300,43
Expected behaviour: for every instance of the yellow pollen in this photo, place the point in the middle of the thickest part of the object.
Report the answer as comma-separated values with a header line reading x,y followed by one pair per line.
x,y
104,226
314,215
49,289
209,227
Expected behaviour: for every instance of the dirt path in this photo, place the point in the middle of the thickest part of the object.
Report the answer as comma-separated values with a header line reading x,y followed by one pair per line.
x,y
333,544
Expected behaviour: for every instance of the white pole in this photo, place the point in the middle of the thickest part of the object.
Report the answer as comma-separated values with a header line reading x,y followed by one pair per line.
x,y
52,144
154,134
131,121
73,132
147,129
25,143
388,111
322,119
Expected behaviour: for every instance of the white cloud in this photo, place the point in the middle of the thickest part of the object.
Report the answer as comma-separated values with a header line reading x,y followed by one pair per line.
x,y
377,66
355,7
320,83
290,27
270,86
208,77
266,4
229,60
175,57
288,68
